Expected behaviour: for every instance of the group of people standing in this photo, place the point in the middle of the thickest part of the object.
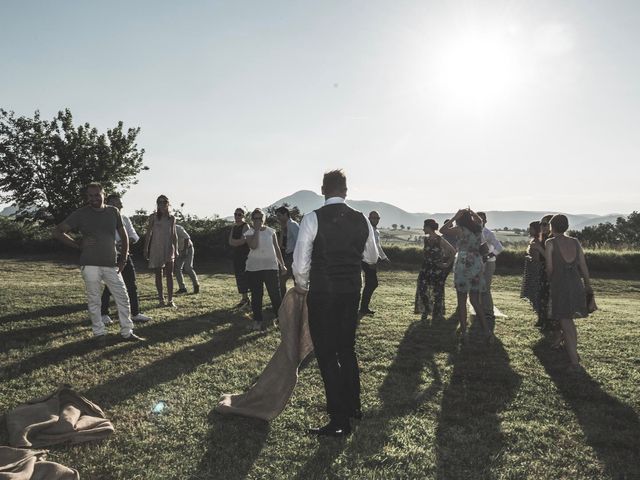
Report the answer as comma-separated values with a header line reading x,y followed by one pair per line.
x,y
326,255
472,261
557,283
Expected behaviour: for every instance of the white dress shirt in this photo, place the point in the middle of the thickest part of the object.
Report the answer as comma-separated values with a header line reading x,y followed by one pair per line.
x,y
493,243
304,246
131,232
381,254
292,235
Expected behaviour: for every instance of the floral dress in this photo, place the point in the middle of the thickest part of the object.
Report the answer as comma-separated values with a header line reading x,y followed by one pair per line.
x,y
468,266
431,281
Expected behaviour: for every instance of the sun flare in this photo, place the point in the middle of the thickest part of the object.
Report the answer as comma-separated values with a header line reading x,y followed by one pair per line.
x,y
477,71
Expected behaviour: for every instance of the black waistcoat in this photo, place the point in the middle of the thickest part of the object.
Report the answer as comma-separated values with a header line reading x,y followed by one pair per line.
x,y
337,249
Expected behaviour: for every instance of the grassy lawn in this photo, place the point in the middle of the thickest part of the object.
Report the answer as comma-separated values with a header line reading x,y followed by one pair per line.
x,y
432,409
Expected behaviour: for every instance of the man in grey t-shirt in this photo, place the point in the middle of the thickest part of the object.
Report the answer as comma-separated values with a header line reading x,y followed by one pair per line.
x,y
98,224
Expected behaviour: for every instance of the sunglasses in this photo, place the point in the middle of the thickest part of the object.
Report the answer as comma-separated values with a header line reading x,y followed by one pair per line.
x,y
237,214
256,218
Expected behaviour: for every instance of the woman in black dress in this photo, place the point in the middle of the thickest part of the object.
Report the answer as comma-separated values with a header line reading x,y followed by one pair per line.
x,y
569,283
240,254
533,269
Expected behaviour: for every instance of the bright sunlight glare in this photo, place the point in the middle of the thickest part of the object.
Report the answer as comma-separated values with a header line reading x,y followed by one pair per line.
x,y
477,72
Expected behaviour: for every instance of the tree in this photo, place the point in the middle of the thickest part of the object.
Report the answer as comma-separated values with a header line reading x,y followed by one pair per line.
x,y
401,227
45,165
629,229
394,226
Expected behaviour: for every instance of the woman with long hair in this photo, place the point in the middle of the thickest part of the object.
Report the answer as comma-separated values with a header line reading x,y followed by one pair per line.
x,y
569,283
436,265
160,247
533,266
262,266
468,267
240,254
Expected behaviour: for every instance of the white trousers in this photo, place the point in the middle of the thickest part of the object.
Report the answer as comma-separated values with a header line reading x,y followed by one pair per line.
x,y
93,280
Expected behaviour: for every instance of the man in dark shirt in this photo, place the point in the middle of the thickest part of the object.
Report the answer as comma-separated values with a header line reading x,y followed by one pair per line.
x,y
98,224
332,243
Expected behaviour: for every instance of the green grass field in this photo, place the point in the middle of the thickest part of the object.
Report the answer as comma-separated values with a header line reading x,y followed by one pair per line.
x,y
432,409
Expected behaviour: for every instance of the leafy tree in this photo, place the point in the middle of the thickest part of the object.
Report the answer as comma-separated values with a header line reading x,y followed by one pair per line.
x,y
44,165
401,227
394,226
629,229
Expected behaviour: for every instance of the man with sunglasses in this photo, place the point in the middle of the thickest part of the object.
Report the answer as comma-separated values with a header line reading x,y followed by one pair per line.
x,y
332,243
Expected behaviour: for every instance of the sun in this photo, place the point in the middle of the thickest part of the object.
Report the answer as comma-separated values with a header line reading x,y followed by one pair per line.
x,y
476,71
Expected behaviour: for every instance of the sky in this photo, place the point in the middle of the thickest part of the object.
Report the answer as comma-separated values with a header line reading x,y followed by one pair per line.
x,y
427,105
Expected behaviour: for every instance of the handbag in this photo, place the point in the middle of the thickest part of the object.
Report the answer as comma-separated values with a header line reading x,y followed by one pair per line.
x,y
591,303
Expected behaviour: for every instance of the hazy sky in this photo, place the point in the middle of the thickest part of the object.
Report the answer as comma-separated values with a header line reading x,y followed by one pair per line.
x,y
428,105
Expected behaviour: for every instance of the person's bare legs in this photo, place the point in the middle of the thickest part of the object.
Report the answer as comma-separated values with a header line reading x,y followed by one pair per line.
x,y
462,311
159,286
476,303
168,267
570,340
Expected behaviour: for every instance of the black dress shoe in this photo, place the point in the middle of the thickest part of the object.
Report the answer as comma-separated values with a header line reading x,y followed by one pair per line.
x,y
367,312
181,290
331,430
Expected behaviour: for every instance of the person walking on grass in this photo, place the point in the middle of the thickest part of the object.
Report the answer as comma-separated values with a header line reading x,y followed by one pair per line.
x,y
371,271
98,224
569,283
332,243
468,268
161,245
184,260
287,240
262,267
240,253
128,272
494,249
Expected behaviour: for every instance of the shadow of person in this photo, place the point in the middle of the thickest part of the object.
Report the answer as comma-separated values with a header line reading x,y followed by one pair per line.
x,y
611,428
400,392
50,311
233,445
468,436
318,465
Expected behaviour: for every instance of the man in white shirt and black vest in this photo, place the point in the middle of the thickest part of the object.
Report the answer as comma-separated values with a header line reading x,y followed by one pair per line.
x,y
332,243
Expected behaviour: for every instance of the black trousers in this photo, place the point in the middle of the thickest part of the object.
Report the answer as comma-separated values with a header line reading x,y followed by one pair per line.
x,y
239,267
332,324
370,284
129,277
257,281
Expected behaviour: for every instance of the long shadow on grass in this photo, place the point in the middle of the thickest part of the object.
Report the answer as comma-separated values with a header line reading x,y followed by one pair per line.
x,y
233,445
154,333
469,438
167,368
401,392
52,311
610,427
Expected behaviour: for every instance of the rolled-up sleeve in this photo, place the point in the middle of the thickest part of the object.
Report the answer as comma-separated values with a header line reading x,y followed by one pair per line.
x,y
131,232
304,247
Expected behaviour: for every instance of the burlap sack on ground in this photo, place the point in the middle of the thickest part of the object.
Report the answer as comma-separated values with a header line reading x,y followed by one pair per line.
x,y
63,416
19,464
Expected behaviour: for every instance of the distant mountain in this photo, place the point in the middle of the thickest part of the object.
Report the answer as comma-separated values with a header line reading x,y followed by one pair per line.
x,y
308,201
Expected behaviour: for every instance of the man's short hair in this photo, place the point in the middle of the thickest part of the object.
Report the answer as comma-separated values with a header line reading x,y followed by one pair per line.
x,y
431,223
483,216
111,196
559,223
93,185
283,211
334,181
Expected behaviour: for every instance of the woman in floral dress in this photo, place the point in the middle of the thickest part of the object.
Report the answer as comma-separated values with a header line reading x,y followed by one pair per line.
x,y
438,258
468,267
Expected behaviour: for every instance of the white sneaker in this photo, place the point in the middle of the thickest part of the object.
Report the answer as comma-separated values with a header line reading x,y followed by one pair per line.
x,y
140,318
106,319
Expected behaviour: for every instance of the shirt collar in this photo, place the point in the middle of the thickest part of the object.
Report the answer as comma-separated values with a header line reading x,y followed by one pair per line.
x,y
332,200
